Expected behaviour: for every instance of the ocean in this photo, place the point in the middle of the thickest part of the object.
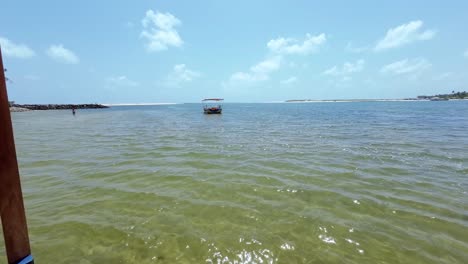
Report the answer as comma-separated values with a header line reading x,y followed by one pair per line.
x,y
349,182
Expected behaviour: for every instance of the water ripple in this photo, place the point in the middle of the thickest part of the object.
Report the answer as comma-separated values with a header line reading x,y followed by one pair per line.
x,y
263,183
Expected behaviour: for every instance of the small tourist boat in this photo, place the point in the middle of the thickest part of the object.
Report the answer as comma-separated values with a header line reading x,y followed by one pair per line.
x,y
212,105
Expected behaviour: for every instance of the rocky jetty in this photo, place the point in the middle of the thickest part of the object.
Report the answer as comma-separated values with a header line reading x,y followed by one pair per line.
x,y
18,109
58,106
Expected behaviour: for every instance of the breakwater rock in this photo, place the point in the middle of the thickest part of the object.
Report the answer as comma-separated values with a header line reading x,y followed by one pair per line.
x,y
18,109
59,106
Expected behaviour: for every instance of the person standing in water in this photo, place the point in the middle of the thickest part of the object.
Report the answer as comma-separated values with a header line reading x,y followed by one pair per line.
x,y
73,110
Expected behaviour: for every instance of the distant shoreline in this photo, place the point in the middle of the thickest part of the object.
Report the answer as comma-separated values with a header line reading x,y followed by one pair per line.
x,y
139,104
454,96
363,100
31,107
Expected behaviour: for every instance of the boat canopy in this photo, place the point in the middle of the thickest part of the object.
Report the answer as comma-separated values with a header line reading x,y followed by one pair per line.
x,y
213,99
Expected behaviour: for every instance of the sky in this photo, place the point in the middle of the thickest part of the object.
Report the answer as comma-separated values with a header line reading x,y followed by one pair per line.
x,y
243,51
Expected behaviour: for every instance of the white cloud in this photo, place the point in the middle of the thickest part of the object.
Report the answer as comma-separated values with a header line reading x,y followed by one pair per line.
x,y
242,76
11,49
332,71
406,66
350,48
258,72
281,47
159,31
120,81
347,68
443,76
181,74
404,34
293,46
266,66
63,55
185,74
290,80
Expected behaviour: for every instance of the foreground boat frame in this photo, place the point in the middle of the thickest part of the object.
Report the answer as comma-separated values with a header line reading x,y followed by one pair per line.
x,y
15,230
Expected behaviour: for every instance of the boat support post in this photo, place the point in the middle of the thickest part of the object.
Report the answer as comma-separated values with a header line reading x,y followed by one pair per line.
x,y
15,229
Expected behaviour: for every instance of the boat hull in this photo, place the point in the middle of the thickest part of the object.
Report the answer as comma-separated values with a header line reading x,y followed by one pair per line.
x,y
213,111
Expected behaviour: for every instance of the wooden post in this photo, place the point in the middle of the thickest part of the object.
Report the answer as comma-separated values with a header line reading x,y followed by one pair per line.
x,y
14,225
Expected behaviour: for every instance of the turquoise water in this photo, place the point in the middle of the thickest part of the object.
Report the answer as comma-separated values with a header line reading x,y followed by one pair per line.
x,y
374,182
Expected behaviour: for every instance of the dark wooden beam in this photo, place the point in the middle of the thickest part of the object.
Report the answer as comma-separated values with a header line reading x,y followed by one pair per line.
x,y
15,230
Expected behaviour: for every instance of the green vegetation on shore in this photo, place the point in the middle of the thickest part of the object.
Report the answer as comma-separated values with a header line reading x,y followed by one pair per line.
x,y
453,95
439,97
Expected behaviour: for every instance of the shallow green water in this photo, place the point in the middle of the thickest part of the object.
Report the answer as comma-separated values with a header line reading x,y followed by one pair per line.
x,y
263,183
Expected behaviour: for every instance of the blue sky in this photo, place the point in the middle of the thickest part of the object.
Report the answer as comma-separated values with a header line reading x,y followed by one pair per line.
x,y
244,51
